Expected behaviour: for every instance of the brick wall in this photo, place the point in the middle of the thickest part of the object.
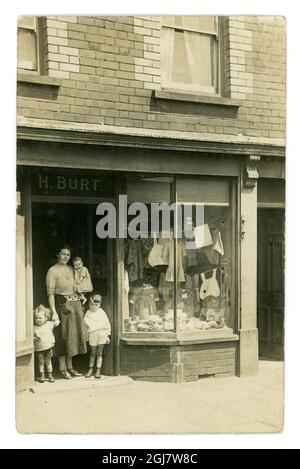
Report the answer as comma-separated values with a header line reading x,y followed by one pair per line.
x,y
109,67
178,363
146,363
214,360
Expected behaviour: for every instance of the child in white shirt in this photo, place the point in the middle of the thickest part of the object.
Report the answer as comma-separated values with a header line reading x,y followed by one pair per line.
x,y
98,330
44,340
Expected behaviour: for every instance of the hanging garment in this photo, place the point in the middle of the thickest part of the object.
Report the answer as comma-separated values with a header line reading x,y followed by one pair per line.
x,y
165,288
152,276
191,261
155,256
204,265
191,305
212,256
134,260
217,241
216,250
147,245
144,302
168,257
202,236
210,286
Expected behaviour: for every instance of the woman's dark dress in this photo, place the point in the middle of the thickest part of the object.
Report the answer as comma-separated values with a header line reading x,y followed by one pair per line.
x,y
70,335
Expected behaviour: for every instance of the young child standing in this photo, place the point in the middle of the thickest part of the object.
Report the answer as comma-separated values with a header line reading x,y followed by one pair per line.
x,y
98,330
83,283
44,340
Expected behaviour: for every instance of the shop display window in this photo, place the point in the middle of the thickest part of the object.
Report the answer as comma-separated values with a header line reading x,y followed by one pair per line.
x,y
178,276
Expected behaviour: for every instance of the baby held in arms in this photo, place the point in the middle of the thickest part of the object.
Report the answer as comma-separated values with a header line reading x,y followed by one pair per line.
x,y
83,283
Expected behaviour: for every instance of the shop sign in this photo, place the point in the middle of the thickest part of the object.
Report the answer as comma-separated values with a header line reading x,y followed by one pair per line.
x,y
71,185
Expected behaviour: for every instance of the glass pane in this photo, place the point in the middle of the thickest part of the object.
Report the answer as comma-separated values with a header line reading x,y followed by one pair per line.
x,y
193,59
197,23
27,50
204,281
149,257
202,190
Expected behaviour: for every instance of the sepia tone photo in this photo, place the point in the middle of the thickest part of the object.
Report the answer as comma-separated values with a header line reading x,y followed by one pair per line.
x,y
150,224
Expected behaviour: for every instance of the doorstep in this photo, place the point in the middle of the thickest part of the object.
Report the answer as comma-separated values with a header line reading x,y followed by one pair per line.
x,y
74,384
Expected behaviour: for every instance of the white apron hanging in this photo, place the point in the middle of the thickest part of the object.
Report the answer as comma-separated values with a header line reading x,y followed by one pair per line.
x,y
210,286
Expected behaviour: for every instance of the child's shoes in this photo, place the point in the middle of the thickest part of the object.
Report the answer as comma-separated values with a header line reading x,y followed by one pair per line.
x,y
42,378
97,374
65,374
50,377
89,373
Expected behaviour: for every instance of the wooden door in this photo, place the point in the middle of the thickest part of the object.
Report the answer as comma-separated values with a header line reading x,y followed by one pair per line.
x,y
270,296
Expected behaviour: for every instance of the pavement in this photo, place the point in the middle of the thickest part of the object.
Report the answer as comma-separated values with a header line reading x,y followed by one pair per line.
x,y
120,405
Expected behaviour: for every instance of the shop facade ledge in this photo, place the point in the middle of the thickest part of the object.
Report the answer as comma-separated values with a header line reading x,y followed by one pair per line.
x,y
179,338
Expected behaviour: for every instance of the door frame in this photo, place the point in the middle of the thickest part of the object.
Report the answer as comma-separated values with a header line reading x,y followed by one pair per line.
x,y
112,257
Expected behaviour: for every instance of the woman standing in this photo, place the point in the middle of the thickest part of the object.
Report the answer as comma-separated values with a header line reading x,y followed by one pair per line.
x,y
70,335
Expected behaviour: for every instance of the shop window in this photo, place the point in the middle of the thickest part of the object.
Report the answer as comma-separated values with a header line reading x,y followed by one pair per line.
x,y
29,44
178,276
190,53
148,301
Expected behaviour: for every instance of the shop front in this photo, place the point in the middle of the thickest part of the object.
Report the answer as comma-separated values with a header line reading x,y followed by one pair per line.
x,y
182,305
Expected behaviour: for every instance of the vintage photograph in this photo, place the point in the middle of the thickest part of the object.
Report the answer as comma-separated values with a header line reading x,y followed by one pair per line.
x,y
150,224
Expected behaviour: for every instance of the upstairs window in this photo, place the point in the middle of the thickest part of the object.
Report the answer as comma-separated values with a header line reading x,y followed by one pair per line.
x,y
190,53
29,57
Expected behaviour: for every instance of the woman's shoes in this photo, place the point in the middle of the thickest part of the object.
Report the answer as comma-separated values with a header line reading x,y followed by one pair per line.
x,y
89,373
74,372
42,378
65,374
98,374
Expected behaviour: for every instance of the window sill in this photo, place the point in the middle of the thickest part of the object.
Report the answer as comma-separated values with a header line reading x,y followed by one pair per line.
x,y
179,338
196,98
38,79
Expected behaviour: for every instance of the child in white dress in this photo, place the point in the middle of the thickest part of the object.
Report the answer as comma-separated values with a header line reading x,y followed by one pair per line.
x,y
98,329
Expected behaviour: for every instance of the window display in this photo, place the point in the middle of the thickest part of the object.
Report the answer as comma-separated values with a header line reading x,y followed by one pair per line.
x,y
204,294
180,284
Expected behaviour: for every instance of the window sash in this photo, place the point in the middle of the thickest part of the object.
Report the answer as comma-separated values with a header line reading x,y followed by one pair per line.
x,y
29,24
168,41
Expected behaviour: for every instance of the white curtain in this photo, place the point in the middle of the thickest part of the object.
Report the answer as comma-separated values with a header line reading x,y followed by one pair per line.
x,y
199,55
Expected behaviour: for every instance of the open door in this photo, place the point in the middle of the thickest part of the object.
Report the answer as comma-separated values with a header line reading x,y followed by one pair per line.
x,y
270,308
74,224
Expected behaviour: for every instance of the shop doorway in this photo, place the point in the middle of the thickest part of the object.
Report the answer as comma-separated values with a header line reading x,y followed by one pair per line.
x,y
54,224
270,288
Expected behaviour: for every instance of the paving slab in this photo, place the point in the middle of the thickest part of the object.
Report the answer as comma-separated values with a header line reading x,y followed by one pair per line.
x,y
120,405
